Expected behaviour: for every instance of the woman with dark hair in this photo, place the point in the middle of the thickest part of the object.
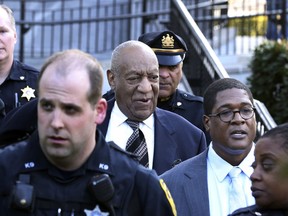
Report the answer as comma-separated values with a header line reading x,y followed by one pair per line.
x,y
270,175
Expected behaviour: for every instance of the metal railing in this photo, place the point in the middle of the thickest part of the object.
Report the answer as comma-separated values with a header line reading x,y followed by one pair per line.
x,y
203,66
97,27
238,26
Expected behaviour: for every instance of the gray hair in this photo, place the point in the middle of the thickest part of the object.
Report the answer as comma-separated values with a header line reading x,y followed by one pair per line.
x,y
118,52
10,15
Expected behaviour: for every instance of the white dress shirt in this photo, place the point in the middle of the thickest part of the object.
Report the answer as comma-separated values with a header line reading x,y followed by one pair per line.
x,y
218,181
119,131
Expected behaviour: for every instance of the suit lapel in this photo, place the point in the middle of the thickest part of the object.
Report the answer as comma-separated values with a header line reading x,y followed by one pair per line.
x,y
165,148
197,191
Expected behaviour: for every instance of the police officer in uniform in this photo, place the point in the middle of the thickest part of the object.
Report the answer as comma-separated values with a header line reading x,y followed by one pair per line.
x,y
20,86
170,50
17,80
62,169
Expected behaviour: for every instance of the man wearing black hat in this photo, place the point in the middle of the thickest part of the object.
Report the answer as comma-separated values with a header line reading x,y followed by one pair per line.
x,y
170,50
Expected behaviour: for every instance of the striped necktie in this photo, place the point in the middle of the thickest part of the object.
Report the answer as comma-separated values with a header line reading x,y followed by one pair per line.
x,y
136,143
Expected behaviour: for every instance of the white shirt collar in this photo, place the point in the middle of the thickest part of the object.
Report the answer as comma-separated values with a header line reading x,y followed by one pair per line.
x,y
120,118
222,167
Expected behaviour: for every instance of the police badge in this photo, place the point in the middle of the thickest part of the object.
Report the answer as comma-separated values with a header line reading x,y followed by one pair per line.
x,y
28,92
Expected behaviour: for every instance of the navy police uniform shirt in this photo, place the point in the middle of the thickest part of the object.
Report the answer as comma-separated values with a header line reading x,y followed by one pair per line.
x,y
188,106
20,86
255,210
138,190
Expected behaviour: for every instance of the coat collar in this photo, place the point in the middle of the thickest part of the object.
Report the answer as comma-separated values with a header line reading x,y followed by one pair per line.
x,y
99,160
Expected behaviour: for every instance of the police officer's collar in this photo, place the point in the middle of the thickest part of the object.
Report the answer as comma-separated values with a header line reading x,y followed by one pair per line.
x,y
99,161
100,156
167,100
164,99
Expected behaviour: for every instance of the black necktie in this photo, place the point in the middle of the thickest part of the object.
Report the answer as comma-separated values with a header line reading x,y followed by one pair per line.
x,y
136,143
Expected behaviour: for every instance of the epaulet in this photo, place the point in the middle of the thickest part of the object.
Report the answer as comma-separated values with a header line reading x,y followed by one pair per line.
x,y
117,148
27,67
190,97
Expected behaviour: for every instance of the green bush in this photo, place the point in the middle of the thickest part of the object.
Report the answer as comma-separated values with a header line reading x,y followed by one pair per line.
x,y
269,79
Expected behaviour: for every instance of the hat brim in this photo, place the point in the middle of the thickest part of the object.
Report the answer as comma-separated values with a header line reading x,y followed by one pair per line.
x,y
169,60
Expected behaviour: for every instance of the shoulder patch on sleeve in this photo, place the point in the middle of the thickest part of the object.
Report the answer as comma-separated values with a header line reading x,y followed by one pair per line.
x,y
168,196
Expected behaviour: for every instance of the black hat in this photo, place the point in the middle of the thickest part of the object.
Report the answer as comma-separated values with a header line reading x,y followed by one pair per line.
x,y
169,48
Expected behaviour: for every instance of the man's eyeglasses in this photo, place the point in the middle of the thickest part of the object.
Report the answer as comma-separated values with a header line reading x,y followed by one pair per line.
x,y
227,115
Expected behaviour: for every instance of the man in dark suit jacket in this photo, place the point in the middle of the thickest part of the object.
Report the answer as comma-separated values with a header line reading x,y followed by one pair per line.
x,y
200,185
134,77
175,138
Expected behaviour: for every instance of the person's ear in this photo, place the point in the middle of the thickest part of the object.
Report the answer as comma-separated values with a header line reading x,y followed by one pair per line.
x,y
101,108
15,37
206,122
111,79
